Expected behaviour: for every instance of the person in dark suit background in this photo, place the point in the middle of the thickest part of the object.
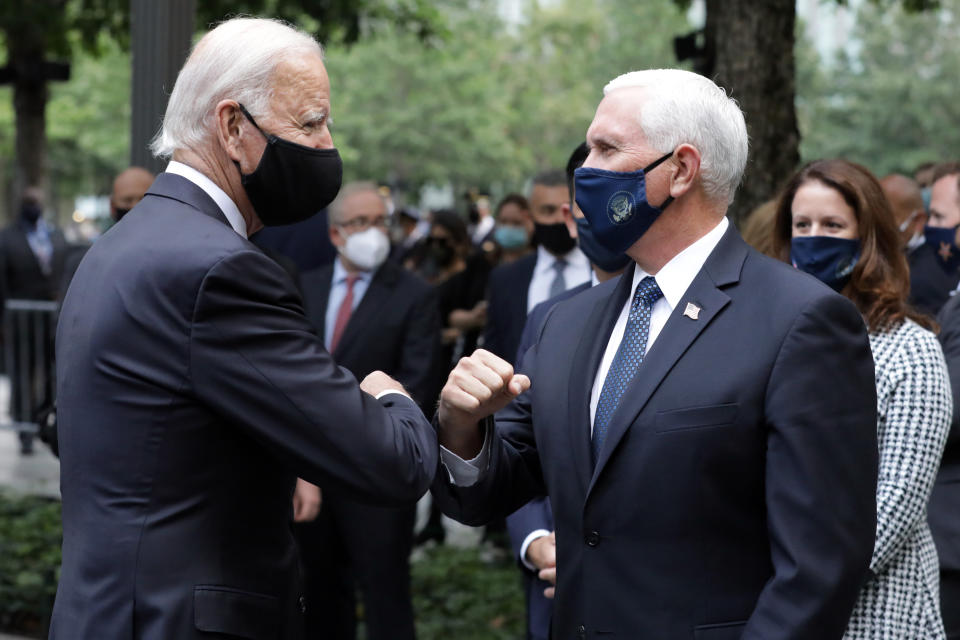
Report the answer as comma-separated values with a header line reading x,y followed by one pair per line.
x,y
371,315
930,283
704,425
517,287
192,389
944,508
306,243
32,254
935,265
531,526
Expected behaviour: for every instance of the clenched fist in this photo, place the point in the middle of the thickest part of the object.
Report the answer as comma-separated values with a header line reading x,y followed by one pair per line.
x,y
478,387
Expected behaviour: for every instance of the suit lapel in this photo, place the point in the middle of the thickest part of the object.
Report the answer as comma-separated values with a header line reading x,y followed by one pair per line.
x,y
373,299
722,268
528,271
318,314
586,361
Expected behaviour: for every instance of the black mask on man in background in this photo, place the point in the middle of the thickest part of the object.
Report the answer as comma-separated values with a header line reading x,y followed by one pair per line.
x,y
555,238
30,212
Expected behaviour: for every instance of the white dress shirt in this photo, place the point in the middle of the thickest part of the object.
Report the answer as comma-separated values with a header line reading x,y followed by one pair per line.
x,y
338,291
673,279
227,206
575,272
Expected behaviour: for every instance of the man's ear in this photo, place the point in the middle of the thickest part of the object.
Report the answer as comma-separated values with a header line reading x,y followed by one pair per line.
x,y
228,116
686,162
568,220
336,237
919,221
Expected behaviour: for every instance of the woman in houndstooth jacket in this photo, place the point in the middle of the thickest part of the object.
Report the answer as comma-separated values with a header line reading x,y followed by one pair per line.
x,y
834,222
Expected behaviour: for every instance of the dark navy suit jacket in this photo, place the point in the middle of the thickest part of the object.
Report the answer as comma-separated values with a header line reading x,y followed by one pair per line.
x,y
508,289
734,496
944,508
394,329
192,391
930,284
536,514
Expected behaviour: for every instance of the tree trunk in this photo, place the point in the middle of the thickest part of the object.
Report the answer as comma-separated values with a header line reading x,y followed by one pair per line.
x,y
751,47
30,105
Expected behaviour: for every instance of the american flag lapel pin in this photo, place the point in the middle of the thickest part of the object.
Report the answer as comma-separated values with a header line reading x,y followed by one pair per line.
x,y
692,311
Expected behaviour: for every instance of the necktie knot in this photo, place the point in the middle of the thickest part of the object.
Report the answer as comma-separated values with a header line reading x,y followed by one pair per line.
x,y
352,280
648,292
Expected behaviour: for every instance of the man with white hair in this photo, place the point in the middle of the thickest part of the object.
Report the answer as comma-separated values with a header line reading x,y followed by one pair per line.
x,y
192,389
704,426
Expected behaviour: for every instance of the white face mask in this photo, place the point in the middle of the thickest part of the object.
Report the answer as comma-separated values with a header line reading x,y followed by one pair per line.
x,y
366,249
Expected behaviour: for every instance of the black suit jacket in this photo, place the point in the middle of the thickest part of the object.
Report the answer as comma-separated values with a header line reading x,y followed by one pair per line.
x,y
944,508
930,284
394,329
192,391
508,289
20,274
734,497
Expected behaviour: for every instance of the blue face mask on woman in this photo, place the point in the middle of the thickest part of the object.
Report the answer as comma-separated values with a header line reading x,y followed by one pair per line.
x,y
510,237
831,260
615,204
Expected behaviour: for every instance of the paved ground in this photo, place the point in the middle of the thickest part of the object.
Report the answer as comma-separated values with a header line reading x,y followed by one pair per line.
x,y
35,474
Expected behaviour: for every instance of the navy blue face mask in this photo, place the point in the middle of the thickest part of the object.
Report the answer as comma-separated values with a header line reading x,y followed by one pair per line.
x,y
615,204
596,253
944,243
830,260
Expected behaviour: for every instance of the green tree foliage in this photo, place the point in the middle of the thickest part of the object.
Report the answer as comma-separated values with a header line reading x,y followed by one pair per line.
x,y
492,102
888,103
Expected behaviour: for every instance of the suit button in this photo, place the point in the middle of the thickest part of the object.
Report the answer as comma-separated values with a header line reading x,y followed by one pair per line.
x,y
581,631
303,604
593,538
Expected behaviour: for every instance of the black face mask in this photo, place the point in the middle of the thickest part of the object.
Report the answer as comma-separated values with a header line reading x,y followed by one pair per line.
x,y
291,182
554,237
31,212
440,251
119,213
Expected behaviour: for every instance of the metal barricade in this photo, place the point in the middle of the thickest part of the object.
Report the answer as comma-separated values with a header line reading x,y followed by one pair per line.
x,y
29,331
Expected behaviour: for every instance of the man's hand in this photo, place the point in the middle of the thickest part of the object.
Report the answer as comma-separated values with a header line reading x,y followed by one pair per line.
x,y
542,553
478,387
306,501
377,382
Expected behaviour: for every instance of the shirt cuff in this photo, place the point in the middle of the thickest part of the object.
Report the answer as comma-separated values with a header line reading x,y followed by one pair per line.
x,y
466,473
389,391
539,533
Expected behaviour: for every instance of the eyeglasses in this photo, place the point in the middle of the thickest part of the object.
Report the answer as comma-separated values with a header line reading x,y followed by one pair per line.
x,y
362,223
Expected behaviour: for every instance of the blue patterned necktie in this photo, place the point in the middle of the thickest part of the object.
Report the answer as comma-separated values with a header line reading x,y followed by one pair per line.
x,y
625,364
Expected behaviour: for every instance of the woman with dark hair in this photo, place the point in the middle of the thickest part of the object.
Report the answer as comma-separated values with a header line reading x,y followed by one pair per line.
x,y
834,222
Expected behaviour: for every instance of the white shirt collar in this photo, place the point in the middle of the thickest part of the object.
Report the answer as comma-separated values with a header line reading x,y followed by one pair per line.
x,y
675,277
340,272
574,258
227,206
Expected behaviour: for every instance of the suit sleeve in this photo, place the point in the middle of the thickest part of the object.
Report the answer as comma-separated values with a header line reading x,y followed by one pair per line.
x,y
255,361
533,516
950,341
420,353
821,474
917,421
512,475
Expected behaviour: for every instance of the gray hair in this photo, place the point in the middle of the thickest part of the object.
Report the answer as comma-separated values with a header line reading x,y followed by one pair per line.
x,y
234,61
684,107
335,210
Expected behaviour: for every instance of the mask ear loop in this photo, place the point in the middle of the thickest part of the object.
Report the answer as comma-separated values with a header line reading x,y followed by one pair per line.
x,y
653,165
249,117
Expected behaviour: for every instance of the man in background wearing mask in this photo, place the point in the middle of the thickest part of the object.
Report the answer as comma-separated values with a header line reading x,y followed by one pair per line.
x,y
32,254
372,315
516,288
704,425
193,390
531,526
930,284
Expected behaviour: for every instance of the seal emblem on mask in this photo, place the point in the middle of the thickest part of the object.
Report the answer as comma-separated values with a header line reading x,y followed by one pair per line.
x,y
620,207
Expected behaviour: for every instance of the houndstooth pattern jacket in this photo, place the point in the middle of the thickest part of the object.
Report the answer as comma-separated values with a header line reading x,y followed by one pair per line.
x,y
900,600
